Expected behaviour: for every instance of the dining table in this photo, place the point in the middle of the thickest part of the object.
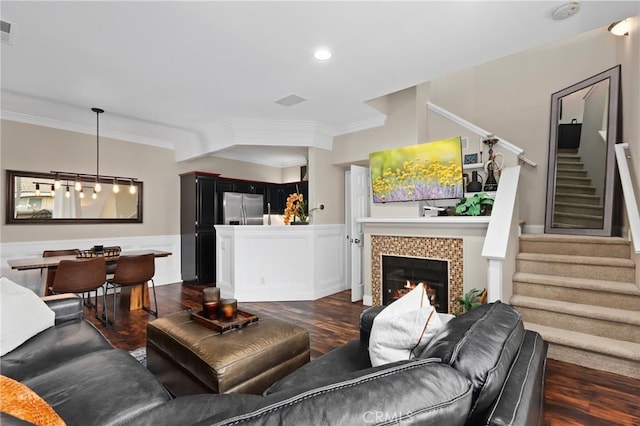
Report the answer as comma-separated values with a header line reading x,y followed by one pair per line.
x,y
132,298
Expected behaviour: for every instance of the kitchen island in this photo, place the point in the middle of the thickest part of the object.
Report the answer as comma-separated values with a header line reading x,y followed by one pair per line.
x,y
280,263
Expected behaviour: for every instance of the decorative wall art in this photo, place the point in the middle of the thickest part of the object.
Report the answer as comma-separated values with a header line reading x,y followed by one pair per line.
x,y
428,171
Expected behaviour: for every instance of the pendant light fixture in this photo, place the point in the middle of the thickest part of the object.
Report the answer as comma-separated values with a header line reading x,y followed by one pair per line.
x,y
97,187
78,178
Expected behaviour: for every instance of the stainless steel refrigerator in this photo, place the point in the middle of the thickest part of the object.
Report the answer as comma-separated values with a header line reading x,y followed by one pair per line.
x,y
242,209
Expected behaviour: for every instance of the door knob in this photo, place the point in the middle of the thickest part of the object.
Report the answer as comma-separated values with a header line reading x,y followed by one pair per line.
x,y
357,241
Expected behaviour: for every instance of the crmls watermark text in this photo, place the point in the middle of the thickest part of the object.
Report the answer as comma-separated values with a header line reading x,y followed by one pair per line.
x,y
385,416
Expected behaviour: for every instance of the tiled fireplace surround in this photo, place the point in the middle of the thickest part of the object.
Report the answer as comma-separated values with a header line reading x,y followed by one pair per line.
x,y
449,249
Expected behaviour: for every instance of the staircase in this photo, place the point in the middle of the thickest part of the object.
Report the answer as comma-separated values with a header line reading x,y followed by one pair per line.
x,y
581,295
576,202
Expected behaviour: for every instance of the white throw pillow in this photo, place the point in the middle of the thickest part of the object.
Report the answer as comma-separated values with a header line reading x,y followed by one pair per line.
x,y
404,328
22,315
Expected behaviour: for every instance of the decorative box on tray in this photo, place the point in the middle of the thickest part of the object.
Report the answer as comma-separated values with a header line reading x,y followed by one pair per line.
x,y
243,320
98,251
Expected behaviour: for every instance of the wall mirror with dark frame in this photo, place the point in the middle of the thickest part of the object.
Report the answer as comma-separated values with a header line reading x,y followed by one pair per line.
x,y
32,198
581,173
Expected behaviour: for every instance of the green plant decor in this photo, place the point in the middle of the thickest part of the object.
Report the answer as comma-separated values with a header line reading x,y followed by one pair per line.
x,y
471,300
475,205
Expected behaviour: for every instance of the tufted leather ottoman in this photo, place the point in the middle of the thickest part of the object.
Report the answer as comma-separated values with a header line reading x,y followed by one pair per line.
x,y
189,358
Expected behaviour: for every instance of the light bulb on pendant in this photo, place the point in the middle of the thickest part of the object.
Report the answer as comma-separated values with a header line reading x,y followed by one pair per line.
x,y
77,185
37,189
56,183
53,190
94,195
67,194
97,187
132,188
116,188
81,194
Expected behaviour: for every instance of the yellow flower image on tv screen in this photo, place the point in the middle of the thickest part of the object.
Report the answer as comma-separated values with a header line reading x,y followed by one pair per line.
x,y
427,171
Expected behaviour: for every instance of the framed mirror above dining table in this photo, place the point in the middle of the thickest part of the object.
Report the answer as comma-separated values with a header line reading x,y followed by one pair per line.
x,y
36,198
581,176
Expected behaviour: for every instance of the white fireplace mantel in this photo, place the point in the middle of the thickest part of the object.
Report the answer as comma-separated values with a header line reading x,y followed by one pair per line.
x,y
470,230
479,222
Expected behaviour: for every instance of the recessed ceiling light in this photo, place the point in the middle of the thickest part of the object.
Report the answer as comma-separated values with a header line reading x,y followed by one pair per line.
x,y
322,54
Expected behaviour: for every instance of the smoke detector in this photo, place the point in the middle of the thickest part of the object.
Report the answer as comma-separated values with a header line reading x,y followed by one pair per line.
x,y
566,10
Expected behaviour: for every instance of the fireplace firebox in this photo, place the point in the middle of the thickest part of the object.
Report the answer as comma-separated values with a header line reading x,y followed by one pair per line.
x,y
400,274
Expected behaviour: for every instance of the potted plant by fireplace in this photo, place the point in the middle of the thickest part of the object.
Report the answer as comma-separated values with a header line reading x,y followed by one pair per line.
x,y
471,300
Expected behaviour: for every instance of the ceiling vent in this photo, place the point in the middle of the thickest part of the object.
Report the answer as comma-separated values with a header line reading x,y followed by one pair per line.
x,y
290,100
6,29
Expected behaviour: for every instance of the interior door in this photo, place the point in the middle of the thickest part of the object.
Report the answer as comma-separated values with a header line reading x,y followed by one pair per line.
x,y
358,207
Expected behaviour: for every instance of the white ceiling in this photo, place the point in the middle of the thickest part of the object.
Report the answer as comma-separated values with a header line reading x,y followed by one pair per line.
x,y
202,77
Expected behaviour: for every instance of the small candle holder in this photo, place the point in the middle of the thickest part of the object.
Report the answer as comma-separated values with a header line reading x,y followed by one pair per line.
x,y
210,302
229,309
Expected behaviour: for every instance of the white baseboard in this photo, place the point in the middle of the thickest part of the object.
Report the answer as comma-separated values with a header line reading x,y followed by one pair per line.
x,y
533,229
167,268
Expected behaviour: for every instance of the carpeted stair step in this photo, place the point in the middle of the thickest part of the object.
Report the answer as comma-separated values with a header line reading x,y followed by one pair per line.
x,y
579,209
573,180
619,324
590,200
575,189
569,156
611,294
601,353
570,165
578,220
575,245
590,267
571,173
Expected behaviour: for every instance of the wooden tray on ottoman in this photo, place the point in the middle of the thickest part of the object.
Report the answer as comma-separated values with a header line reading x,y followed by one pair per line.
x,y
243,320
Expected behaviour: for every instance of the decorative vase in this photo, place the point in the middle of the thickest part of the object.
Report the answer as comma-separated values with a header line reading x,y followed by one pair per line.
x,y
476,182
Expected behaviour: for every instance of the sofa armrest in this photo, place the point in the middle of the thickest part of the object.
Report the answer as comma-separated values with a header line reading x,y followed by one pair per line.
x,y
521,400
67,306
366,322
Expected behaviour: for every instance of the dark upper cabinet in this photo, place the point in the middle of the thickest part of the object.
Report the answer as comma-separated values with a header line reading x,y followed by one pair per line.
x,y
197,220
277,195
243,186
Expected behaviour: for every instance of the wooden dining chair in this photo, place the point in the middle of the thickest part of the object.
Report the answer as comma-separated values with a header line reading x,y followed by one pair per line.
x,y
81,276
133,271
51,272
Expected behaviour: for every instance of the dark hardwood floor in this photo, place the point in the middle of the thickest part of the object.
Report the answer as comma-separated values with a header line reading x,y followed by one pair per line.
x,y
573,395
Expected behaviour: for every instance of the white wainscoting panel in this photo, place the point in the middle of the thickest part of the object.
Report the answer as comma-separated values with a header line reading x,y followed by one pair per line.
x,y
280,263
167,268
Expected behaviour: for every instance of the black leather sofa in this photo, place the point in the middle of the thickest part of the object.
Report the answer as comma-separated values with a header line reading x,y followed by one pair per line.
x,y
482,368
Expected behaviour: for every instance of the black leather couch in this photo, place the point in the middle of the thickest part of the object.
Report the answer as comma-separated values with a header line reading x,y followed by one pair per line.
x,y
482,368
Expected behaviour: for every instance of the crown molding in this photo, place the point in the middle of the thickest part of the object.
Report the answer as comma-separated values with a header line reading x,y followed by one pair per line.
x,y
282,133
80,128
357,126
260,160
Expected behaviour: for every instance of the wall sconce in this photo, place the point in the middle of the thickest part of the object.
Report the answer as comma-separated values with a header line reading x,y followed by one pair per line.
x,y
620,28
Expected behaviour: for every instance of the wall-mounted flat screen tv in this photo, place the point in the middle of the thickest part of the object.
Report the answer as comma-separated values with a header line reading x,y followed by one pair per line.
x,y
427,171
